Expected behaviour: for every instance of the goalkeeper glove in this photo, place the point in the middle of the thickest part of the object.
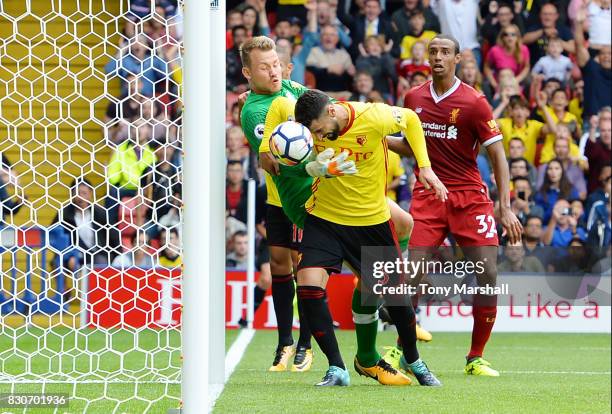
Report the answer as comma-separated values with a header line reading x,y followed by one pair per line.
x,y
326,166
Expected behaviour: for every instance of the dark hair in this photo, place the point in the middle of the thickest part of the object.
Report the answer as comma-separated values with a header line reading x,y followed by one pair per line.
x,y
515,179
515,160
448,37
565,187
256,29
533,216
77,182
416,12
362,73
517,139
556,91
234,162
282,19
518,100
177,188
418,73
239,233
310,106
549,80
238,27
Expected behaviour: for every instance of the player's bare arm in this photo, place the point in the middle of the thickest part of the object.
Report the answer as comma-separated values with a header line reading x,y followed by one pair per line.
x,y
399,145
269,163
511,224
430,181
427,177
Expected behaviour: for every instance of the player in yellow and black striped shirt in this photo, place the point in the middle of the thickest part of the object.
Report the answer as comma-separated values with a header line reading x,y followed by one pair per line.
x,y
351,212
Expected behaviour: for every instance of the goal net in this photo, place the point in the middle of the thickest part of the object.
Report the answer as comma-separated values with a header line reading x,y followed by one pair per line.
x,y
90,194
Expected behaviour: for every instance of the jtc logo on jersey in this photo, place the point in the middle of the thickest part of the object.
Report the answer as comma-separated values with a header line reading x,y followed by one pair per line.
x,y
361,140
454,115
356,155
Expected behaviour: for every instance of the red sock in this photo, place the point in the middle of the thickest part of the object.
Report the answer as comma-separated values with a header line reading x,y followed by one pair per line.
x,y
484,310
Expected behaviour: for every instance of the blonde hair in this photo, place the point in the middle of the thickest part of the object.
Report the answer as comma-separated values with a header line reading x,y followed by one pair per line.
x,y
518,52
380,39
256,43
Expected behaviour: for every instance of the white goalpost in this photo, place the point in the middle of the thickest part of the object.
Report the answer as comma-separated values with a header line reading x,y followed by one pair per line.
x,y
204,271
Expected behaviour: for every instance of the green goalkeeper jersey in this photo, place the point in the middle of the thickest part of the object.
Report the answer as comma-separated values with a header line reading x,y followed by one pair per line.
x,y
286,191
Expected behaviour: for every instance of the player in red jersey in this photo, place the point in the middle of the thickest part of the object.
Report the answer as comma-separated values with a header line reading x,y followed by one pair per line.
x,y
456,120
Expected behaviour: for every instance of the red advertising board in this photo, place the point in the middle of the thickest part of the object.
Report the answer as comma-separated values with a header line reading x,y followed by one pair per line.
x,y
135,298
339,292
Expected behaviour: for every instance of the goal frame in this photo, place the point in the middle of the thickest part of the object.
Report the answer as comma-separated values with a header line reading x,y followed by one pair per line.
x,y
203,322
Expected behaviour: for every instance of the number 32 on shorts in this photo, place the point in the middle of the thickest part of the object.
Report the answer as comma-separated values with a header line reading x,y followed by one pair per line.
x,y
486,225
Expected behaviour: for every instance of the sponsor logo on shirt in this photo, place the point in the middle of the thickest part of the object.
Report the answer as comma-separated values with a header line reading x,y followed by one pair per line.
x,y
493,125
397,114
441,131
352,155
259,131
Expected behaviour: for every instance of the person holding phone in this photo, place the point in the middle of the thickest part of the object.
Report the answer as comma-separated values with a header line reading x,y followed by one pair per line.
x,y
522,202
563,226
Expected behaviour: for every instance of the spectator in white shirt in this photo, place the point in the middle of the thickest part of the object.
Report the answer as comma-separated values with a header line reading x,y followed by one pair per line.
x,y
458,18
94,240
554,64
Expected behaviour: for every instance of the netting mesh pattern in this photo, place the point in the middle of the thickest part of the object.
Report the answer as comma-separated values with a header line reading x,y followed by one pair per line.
x,y
90,194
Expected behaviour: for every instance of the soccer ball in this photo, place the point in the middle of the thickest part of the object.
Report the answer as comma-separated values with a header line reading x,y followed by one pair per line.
x,y
290,143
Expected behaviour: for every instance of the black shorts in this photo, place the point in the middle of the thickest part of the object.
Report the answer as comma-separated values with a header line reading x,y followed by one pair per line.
x,y
280,230
327,245
262,255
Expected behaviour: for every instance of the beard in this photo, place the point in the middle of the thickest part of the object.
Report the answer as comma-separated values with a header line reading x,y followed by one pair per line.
x,y
334,133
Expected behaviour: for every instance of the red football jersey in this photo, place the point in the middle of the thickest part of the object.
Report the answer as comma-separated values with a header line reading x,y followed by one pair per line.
x,y
455,125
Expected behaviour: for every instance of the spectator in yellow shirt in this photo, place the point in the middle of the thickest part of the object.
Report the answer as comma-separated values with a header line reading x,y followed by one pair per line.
x,y
394,174
518,125
556,115
576,105
170,255
417,21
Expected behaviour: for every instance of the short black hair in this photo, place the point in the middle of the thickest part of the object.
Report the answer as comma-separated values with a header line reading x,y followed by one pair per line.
x,y
517,139
234,162
238,27
310,106
515,160
451,38
239,233
556,91
515,179
282,19
533,216
553,79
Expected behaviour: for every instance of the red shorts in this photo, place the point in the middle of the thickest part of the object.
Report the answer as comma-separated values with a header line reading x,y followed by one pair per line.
x,y
466,214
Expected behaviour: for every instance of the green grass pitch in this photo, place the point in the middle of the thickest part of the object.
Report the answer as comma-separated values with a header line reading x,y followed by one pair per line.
x,y
560,373
151,356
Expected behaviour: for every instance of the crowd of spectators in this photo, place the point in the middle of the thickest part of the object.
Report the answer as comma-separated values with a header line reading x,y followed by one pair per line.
x,y
544,67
